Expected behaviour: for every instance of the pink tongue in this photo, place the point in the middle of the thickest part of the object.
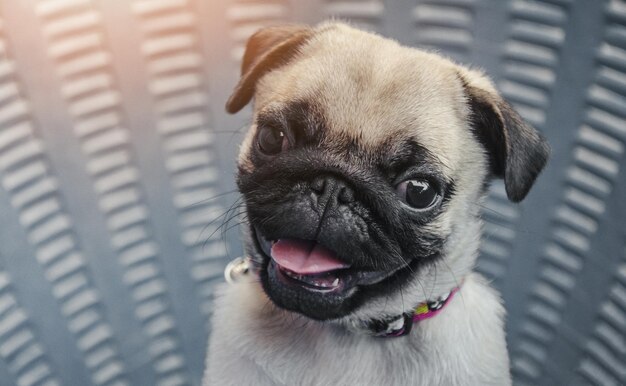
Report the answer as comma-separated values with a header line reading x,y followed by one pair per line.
x,y
305,257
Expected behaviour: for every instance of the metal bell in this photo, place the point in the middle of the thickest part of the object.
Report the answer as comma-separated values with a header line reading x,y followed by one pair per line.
x,y
237,270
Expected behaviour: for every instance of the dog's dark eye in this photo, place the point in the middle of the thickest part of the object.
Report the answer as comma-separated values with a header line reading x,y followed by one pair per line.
x,y
271,140
419,194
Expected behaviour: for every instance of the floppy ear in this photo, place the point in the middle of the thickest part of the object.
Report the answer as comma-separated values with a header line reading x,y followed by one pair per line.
x,y
517,151
266,50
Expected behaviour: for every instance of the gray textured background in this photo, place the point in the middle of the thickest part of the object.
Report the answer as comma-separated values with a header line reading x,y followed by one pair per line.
x,y
113,140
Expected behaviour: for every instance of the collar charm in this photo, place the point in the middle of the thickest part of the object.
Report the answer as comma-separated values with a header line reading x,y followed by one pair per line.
x,y
237,270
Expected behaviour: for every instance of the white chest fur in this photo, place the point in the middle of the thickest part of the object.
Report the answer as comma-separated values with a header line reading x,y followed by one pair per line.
x,y
254,343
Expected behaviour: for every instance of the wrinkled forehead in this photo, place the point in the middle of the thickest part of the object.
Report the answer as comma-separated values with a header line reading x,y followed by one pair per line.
x,y
370,90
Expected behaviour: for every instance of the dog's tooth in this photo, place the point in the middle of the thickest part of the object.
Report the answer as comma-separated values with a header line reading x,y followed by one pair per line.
x,y
323,281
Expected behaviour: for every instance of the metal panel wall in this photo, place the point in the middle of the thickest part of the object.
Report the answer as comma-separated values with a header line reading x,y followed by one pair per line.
x,y
117,166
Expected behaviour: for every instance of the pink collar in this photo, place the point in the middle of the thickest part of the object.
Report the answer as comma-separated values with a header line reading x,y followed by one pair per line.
x,y
402,324
430,309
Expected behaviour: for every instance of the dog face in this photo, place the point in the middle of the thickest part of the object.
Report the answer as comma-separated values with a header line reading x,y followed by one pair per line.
x,y
365,166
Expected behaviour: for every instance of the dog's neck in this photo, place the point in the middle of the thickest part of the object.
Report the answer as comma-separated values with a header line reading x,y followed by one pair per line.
x,y
402,325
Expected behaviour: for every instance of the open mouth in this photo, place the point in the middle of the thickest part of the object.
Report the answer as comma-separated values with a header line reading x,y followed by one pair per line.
x,y
308,264
311,266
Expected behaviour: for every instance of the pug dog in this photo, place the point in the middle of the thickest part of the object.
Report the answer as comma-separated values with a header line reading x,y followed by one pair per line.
x,y
362,176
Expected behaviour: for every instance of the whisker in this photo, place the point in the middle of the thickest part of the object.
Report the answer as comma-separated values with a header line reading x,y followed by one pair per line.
x,y
513,226
223,224
237,202
227,215
432,289
204,201
423,289
456,282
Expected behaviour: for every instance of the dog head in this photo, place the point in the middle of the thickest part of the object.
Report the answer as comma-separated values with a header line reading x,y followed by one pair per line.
x,y
365,166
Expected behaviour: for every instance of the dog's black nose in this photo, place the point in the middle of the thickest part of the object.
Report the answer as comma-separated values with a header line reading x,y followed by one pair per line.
x,y
327,188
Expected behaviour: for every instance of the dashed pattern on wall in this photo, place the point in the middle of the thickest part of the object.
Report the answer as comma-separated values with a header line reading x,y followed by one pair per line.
x,y
112,184
529,62
177,84
364,14
84,62
33,192
589,182
248,16
446,26
603,360
20,349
